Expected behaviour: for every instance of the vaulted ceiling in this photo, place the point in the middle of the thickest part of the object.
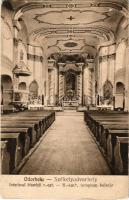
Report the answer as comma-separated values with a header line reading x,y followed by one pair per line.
x,y
71,26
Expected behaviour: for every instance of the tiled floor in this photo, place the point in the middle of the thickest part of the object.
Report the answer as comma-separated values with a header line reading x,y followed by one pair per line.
x,y
67,149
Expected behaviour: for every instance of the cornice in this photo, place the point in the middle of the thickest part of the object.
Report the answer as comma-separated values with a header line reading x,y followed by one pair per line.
x,y
34,58
105,57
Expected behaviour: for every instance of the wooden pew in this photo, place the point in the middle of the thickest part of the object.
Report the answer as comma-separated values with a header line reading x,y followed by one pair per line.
x,y
110,126
121,156
46,117
106,127
24,129
15,148
88,114
24,135
98,125
93,121
111,142
5,157
24,122
37,121
49,116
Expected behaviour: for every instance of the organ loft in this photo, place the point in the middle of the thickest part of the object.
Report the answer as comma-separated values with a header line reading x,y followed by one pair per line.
x,y
64,64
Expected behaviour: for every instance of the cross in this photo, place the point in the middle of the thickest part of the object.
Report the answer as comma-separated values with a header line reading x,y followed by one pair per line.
x,y
70,18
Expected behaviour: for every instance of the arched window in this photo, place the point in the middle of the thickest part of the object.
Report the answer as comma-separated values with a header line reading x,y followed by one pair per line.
x,y
120,88
22,86
33,89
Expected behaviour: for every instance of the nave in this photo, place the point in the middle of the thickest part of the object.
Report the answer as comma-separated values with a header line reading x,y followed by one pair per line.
x,y
67,142
64,86
67,149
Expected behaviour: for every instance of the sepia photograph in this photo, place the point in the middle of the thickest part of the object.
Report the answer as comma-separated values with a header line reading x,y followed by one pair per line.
x,y
64,87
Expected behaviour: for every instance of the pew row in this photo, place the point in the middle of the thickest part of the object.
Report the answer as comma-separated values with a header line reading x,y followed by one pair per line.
x,y
5,157
121,156
15,148
21,131
108,128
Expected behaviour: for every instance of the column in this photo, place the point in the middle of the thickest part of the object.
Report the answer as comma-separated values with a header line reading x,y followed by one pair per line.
x,y
79,80
127,77
56,85
93,87
51,83
61,86
89,85
61,81
15,54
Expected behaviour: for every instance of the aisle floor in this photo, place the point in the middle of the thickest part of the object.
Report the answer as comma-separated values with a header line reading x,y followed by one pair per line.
x,y
67,149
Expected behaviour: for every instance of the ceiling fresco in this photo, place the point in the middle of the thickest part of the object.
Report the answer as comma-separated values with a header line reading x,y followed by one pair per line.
x,y
68,17
71,26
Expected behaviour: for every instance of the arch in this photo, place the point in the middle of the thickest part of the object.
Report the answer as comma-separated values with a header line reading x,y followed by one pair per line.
x,y
6,82
119,96
120,88
107,90
22,86
33,89
6,91
70,84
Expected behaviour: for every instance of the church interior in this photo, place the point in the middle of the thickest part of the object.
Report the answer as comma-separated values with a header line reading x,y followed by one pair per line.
x,y
64,87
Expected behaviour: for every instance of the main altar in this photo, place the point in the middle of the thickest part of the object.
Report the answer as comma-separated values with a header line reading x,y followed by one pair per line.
x,y
70,84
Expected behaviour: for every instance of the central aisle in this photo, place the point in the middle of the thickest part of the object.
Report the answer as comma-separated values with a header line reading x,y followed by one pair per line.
x,y
67,149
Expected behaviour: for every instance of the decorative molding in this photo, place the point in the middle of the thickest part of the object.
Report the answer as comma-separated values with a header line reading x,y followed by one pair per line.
x,y
102,32
105,57
80,44
118,5
69,66
34,58
38,17
16,25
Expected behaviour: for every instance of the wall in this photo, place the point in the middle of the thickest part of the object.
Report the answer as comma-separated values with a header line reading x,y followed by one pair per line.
x,y
113,63
6,42
89,84
106,66
35,65
122,60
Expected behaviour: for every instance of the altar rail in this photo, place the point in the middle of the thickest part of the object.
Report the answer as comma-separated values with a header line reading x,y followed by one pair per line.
x,y
70,103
